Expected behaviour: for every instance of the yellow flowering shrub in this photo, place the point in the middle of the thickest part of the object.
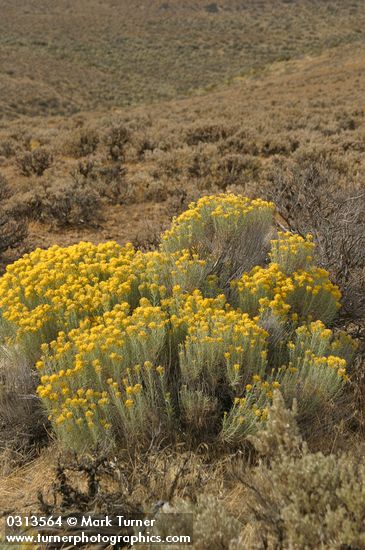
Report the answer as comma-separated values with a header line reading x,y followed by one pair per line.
x,y
181,340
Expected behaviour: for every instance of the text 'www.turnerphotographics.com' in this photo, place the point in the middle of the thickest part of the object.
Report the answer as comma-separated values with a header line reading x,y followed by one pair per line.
x,y
165,528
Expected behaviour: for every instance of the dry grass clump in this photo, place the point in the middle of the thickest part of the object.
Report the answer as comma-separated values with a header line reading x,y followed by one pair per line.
x,y
23,429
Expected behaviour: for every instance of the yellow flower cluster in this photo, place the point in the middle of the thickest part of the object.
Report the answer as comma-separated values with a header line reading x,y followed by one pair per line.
x,y
262,289
300,296
213,218
162,271
292,252
51,290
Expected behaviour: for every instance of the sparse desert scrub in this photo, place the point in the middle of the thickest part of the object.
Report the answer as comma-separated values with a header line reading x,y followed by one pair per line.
x,y
69,204
173,164
186,341
204,166
233,169
116,139
12,232
190,52
207,133
8,148
142,186
5,191
13,229
34,162
258,129
82,142
58,203
103,180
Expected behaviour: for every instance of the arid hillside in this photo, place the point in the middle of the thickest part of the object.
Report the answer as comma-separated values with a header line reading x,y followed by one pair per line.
x,y
63,57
